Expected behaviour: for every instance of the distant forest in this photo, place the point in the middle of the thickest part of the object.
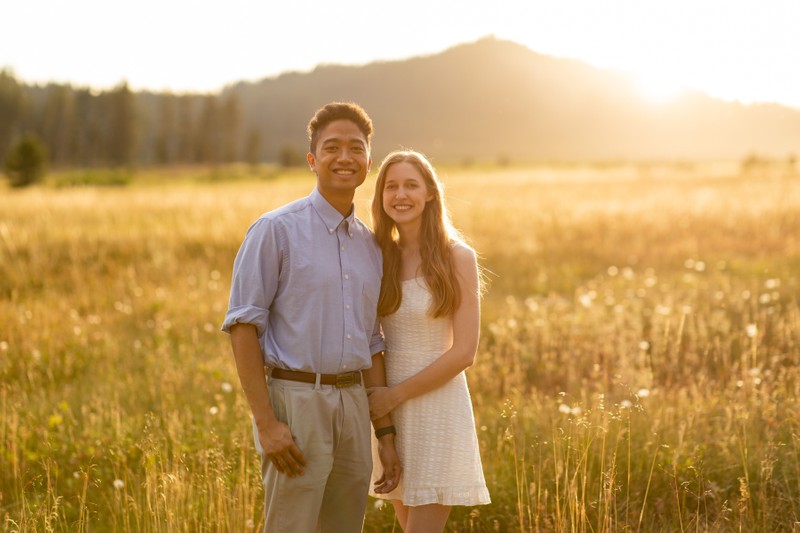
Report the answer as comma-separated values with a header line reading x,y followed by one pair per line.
x,y
490,100
118,127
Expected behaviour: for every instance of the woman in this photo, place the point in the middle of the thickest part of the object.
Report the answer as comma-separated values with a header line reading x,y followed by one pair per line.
x,y
430,314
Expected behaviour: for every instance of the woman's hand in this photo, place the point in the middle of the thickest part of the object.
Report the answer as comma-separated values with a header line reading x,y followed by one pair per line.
x,y
382,400
391,466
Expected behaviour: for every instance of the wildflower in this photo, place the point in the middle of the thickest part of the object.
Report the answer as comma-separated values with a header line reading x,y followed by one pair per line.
x,y
740,383
512,323
663,310
76,475
644,345
764,298
643,393
3,346
627,273
586,299
227,387
119,484
564,408
214,410
625,404
576,411
772,283
700,266
612,271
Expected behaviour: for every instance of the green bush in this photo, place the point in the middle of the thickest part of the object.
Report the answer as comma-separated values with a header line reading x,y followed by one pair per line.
x,y
26,161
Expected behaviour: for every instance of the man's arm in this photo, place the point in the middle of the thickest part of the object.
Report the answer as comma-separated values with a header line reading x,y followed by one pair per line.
x,y
375,376
274,436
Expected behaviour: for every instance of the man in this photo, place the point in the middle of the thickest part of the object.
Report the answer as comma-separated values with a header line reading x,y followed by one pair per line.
x,y
303,303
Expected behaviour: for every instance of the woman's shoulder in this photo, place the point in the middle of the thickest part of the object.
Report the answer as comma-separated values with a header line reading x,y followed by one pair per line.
x,y
462,252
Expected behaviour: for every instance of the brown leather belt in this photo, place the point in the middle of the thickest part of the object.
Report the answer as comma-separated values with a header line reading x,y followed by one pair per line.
x,y
341,381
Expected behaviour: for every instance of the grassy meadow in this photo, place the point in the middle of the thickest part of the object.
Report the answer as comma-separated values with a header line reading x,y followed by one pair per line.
x,y
638,368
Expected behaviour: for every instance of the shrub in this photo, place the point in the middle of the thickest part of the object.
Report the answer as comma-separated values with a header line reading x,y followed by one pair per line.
x,y
26,161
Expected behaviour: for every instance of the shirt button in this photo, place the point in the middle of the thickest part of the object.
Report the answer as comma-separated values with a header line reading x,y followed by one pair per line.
x,y
347,276
330,230
344,367
347,306
348,336
343,248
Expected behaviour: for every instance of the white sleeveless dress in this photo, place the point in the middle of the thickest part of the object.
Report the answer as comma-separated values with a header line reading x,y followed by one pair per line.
x,y
436,438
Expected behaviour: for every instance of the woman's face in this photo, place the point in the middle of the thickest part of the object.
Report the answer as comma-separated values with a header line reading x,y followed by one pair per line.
x,y
405,194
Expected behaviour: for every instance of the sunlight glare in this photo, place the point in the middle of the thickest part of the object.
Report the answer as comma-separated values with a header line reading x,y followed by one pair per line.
x,y
657,87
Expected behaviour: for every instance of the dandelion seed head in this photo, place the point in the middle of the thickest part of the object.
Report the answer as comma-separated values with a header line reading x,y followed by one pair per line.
x,y
214,410
585,300
663,310
739,383
643,393
625,404
644,345
564,408
76,475
226,387
756,381
119,484
576,411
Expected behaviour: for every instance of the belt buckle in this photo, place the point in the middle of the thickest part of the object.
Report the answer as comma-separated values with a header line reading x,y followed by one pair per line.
x,y
345,380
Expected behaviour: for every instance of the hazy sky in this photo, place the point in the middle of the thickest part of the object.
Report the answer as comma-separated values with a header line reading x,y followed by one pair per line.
x,y
747,50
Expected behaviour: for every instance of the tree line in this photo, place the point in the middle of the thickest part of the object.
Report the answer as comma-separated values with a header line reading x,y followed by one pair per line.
x,y
117,127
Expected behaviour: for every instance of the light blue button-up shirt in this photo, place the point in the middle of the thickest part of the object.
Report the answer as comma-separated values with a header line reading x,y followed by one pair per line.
x,y
309,280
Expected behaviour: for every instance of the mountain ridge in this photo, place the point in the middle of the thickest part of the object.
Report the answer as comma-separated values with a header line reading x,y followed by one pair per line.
x,y
494,99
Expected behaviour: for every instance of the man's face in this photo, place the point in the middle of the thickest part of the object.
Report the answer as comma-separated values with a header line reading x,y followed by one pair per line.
x,y
341,161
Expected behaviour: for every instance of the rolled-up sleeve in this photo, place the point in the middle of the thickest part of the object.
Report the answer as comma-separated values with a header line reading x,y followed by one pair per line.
x,y
376,342
256,271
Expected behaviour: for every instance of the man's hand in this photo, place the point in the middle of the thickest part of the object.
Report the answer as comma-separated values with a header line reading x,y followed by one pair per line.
x,y
279,447
391,466
381,401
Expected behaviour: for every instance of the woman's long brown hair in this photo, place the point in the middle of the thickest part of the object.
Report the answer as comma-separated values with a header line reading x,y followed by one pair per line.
x,y
436,238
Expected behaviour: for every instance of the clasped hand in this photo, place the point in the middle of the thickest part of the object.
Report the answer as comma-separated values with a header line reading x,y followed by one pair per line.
x,y
382,400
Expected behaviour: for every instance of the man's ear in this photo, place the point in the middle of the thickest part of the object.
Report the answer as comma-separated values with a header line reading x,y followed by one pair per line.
x,y
311,161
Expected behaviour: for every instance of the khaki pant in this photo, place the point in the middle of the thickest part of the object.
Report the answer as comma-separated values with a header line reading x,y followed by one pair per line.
x,y
331,427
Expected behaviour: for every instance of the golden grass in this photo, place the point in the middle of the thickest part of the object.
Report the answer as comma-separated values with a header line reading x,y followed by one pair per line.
x,y
638,368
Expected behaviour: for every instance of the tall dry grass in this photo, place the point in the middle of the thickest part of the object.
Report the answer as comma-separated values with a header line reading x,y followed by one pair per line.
x,y
638,368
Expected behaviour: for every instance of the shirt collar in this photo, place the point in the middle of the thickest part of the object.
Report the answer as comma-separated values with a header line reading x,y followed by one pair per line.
x,y
329,215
